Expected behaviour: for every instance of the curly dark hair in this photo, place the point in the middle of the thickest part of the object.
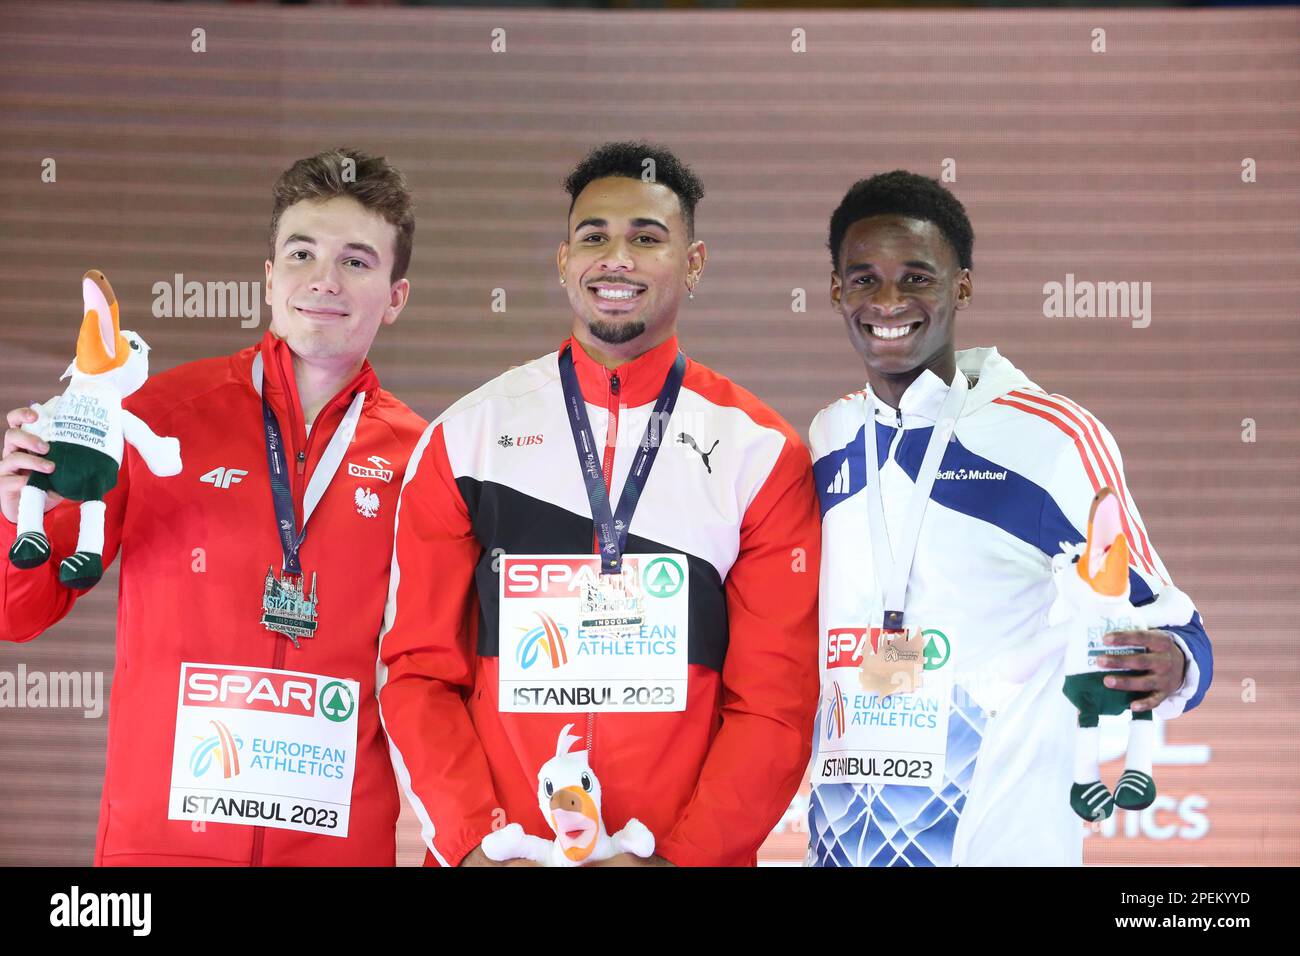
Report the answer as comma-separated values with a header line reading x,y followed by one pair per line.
x,y
628,160
901,193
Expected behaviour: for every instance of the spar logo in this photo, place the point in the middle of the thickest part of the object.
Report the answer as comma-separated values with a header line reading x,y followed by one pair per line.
x,y
207,685
548,639
834,717
937,649
845,646
550,578
221,749
337,702
663,577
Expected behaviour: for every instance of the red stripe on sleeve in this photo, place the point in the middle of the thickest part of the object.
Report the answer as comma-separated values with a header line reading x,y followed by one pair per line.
x,y
1078,436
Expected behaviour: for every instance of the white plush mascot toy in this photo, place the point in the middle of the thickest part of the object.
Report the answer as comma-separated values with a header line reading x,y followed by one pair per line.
x,y
1092,583
569,796
85,429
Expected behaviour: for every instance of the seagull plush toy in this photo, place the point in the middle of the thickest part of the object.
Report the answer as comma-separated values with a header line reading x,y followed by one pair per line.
x,y
85,428
569,796
1092,583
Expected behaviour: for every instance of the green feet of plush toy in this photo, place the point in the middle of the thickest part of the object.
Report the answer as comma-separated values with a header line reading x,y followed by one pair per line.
x,y
81,570
1092,801
1135,791
30,550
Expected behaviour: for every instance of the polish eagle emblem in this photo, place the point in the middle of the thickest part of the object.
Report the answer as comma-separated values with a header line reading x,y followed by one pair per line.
x,y
367,502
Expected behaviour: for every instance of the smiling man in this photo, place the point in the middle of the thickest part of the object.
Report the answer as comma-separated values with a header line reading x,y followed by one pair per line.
x,y
947,486
658,596
267,554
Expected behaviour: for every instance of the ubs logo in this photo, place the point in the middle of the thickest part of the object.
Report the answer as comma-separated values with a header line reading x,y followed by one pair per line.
x,y
519,441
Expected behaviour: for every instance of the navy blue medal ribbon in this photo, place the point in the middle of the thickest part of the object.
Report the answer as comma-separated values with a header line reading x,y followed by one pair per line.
x,y
612,527
281,495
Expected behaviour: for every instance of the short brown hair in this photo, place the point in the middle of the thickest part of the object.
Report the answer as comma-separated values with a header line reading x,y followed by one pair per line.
x,y
377,184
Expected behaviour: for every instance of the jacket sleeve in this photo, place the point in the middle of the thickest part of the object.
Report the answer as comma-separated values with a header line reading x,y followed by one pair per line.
x,y
1081,469
769,677
427,658
32,601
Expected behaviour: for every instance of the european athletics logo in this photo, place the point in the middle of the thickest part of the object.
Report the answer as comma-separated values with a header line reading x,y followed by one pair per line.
x,y
548,638
835,713
223,745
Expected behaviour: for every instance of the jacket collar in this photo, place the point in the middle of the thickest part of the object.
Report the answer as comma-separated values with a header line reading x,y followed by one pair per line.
x,y
270,372
640,379
989,374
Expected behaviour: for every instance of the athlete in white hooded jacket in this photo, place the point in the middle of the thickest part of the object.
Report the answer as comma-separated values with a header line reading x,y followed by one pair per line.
x,y
972,765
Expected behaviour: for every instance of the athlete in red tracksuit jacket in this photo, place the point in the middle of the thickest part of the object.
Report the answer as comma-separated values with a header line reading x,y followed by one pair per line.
x,y
179,603
196,549
496,478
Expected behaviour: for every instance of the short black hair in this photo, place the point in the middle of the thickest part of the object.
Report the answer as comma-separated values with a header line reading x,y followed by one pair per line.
x,y
628,160
901,193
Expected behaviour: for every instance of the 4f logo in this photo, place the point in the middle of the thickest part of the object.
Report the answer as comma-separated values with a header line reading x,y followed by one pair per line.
x,y
224,477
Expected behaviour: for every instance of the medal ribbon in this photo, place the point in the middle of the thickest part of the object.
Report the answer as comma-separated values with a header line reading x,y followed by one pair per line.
x,y
612,527
291,538
894,573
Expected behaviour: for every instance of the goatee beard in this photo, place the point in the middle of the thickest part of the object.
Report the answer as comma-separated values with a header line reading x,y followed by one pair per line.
x,y
616,333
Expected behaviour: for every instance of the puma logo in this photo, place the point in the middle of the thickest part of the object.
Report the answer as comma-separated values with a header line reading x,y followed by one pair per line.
x,y
686,439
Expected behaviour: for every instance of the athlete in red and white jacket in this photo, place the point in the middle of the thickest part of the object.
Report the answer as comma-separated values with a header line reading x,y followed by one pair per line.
x,y
496,475
709,781
194,549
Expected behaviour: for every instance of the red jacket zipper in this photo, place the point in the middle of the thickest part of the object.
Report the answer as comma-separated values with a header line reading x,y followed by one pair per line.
x,y
281,649
607,464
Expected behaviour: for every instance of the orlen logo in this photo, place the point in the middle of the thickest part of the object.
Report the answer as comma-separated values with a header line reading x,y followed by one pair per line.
x,y
250,690
549,578
547,639
377,471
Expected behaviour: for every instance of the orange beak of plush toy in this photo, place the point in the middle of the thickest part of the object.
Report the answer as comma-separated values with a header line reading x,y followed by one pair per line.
x,y
1104,563
576,821
100,347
